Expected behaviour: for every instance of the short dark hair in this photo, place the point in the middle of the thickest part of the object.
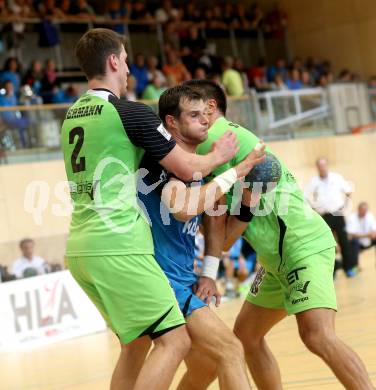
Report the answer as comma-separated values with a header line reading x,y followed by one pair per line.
x,y
210,90
94,47
25,241
169,102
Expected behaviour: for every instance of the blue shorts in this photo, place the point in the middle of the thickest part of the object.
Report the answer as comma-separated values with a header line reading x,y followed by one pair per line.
x,y
188,301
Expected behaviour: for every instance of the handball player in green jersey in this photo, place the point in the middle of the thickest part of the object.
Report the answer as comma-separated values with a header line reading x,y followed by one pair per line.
x,y
110,249
296,250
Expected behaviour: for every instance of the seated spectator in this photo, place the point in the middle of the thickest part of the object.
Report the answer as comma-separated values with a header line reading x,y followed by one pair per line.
x,y
279,84
257,77
11,72
345,76
256,16
67,95
28,264
239,263
140,72
140,13
49,81
200,73
361,230
171,35
175,66
293,81
118,11
153,71
231,78
14,119
276,22
166,12
34,76
307,82
131,88
82,10
279,67
154,90
18,9
238,19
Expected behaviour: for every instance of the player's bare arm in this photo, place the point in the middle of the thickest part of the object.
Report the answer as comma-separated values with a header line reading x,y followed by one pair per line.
x,y
186,202
184,164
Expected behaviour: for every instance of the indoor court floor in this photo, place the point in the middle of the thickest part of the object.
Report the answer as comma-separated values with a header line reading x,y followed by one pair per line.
x,y
86,363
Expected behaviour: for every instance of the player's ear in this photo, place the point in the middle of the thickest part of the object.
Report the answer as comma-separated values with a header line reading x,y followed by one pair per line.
x,y
170,121
113,61
211,106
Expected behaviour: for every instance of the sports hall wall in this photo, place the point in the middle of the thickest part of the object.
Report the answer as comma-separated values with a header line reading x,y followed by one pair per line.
x,y
341,31
44,213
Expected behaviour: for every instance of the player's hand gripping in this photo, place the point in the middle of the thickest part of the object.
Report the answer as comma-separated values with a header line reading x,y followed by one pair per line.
x,y
205,289
225,148
256,156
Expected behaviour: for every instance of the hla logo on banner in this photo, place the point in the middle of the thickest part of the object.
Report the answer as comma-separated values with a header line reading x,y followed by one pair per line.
x,y
41,307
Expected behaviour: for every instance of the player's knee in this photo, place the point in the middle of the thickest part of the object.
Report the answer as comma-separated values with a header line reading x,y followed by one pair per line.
x,y
234,350
177,340
319,341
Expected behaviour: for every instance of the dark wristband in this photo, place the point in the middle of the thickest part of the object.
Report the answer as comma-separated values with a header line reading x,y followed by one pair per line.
x,y
245,213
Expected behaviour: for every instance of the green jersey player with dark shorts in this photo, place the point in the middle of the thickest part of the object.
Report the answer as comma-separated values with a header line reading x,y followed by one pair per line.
x,y
110,248
297,252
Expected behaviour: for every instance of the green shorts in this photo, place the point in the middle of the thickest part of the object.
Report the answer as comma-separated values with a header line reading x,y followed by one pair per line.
x,y
303,285
131,292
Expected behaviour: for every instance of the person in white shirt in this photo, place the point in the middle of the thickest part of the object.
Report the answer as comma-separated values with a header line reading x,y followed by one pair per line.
x,y
328,194
28,264
361,230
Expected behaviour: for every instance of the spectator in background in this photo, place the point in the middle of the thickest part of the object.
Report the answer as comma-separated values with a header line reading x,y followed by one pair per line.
x,y
140,72
279,67
140,13
154,90
166,13
279,84
49,81
131,88
176,67
118,10
276,22
345,76
67,95
34,76
11,72
82,10
256,16
361,230
153,71
328,193
231,78
14,119
293,80
192,14
28,264
18,9
257,76
200,73
171,36
372,94
307,82
239,66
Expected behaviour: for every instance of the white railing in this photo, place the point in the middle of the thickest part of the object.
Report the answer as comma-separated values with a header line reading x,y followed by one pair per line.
x,y
280,102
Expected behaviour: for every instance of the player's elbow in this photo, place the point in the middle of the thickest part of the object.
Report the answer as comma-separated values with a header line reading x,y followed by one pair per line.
x,y
183,173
